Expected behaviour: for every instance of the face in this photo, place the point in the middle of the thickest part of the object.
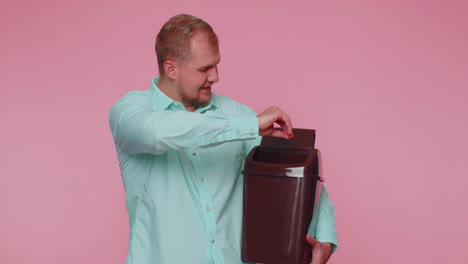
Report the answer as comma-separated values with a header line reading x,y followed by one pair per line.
x,y
196,74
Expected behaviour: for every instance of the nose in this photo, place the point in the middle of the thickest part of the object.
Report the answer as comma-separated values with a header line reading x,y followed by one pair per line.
x,y
213,76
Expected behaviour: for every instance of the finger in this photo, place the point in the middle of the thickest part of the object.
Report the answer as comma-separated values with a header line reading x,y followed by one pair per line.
x,y
286,124
311,241
268,117
266,131
280,134
285,128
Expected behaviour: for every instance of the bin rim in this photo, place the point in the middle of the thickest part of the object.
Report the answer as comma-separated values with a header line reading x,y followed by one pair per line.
x,y
282,169
286,173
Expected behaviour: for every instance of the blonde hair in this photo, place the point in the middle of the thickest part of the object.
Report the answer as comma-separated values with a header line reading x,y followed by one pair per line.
x,y
173,40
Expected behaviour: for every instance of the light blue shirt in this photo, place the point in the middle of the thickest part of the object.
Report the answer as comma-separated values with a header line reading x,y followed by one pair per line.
x,y
182,176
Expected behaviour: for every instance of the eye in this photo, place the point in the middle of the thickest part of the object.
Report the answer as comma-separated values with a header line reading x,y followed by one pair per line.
x,y
205,69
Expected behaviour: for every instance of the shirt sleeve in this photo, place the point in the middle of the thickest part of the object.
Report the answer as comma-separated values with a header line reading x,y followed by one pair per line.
x,y
138,127
322,226
251,143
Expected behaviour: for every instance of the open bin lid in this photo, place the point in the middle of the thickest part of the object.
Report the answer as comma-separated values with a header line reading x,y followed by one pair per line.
x,y
285,158
303,139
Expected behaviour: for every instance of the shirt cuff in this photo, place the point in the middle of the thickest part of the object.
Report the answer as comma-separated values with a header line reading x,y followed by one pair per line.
x,y
244,127
237,128
324,229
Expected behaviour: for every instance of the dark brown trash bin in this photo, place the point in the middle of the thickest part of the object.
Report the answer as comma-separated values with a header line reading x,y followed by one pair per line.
x,y
281,188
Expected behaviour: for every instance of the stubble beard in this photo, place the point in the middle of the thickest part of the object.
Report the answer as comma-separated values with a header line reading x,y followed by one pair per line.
x,y
194,102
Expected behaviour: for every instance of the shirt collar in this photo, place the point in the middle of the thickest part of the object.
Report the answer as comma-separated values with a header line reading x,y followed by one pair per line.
x,y
163,101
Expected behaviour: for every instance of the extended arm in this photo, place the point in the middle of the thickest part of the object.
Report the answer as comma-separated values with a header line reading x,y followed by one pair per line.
x,y
138,127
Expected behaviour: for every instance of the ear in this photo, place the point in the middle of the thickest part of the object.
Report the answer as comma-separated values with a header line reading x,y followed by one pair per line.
x,y
170,68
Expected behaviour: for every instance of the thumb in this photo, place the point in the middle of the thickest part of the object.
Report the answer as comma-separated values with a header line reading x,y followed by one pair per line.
x,y
311,241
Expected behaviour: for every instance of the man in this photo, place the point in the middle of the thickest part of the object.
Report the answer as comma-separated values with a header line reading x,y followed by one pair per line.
x,y
181,149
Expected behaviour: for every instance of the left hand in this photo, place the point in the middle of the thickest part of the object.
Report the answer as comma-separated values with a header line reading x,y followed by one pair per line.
x,y
321,252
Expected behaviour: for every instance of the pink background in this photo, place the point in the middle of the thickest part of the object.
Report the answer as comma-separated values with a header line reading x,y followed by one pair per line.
x,y
384,84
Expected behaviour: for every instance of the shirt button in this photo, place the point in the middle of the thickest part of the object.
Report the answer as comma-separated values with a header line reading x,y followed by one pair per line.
x,y
212,240
202,179
194,153
251,132
208,208
239,133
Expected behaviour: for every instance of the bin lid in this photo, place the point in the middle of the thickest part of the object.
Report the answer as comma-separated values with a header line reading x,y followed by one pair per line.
x,y
282,162
303,139
287,158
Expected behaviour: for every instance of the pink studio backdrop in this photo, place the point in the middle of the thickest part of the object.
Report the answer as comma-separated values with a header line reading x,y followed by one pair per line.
x,y
384,84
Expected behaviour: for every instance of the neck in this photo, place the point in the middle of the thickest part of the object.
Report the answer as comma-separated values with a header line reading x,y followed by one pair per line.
x,y
169,88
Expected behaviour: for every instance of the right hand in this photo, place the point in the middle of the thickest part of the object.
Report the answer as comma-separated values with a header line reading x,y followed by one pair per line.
x,y
321,252
273,115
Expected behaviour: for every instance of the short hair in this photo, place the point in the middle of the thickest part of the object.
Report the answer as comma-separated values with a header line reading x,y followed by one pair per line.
x,y
173,40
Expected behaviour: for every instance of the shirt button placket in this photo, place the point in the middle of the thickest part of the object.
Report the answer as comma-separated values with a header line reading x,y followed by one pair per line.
x,y
206,199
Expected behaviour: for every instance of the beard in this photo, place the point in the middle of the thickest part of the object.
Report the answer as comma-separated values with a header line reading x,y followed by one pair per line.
x,y
193,101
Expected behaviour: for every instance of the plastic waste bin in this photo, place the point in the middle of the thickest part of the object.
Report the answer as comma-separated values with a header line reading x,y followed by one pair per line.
x,y
281,188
